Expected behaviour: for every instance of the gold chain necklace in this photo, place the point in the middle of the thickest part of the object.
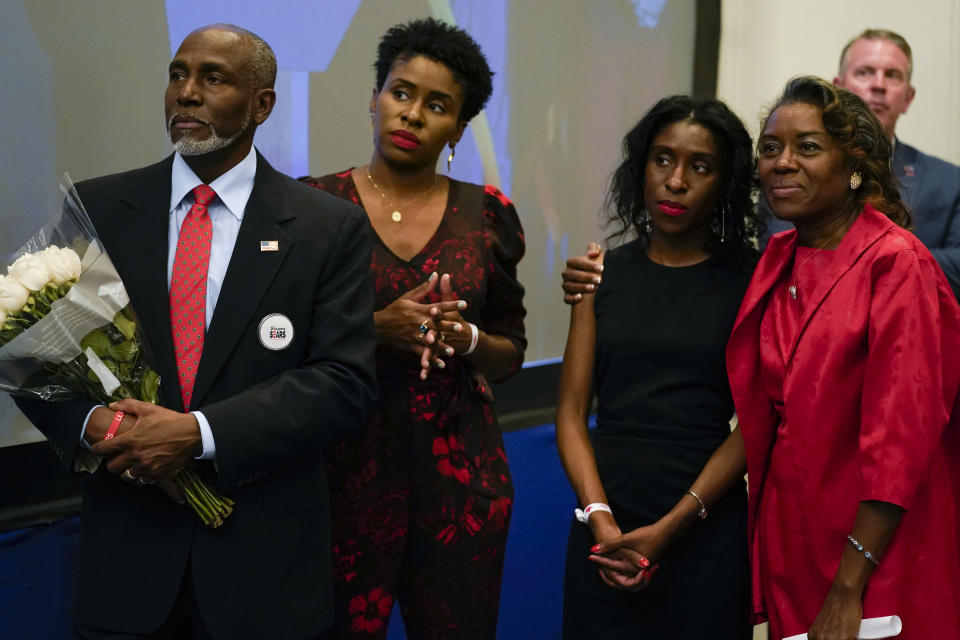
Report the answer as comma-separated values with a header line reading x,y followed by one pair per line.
x,y
796,269
396,216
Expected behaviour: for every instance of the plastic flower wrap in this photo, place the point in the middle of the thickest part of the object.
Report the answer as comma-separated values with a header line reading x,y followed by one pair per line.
x,y
67,330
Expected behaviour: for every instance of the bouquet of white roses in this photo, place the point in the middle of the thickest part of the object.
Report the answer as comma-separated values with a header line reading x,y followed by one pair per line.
x,y
67,330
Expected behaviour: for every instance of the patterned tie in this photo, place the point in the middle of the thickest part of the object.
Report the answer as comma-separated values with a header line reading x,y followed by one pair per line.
x,y
188,289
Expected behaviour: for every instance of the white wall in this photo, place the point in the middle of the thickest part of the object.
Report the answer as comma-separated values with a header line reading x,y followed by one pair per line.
x,y
765,42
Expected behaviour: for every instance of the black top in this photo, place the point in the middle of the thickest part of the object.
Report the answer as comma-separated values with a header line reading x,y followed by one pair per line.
x,y
661,336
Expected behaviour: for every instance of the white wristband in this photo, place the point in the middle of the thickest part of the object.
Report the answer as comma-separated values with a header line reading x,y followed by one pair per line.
x,y
584,514
474,338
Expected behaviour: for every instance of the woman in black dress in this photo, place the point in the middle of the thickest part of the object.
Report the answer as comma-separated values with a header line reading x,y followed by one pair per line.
x,y
644,560
421,503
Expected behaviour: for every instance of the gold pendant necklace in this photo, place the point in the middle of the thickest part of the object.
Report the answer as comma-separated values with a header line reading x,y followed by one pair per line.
x,y
397,216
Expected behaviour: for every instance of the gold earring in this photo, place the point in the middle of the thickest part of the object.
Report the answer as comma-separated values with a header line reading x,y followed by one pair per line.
x,y
450,158
856,179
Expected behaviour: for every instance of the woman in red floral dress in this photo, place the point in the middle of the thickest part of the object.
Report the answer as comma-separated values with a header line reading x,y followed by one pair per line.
x,y
422,501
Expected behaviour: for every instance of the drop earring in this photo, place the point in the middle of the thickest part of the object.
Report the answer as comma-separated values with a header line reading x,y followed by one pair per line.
x,y
856,179
644,223
450,158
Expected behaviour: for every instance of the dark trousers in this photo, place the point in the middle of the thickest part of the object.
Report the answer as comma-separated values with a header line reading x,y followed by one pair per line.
x,y
183,623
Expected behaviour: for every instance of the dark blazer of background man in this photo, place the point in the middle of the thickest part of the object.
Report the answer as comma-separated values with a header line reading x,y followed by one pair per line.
x,y
146,562
877,66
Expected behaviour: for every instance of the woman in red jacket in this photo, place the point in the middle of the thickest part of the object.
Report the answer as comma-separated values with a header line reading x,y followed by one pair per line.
x,y
844,374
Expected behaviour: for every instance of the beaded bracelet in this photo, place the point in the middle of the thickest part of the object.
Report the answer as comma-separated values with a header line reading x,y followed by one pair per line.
x,y
866,554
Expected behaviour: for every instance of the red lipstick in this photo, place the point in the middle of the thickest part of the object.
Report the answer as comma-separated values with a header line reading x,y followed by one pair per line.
x,y
672,209
404,139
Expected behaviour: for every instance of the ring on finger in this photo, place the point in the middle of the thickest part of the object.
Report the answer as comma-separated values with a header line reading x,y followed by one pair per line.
x,y
424,327
128,475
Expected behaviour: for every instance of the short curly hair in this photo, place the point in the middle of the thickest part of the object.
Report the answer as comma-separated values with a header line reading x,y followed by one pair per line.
x,y
625,202
443,43
861,137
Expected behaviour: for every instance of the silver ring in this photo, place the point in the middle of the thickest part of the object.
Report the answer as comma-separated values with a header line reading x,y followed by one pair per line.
x,y
128,475
424,327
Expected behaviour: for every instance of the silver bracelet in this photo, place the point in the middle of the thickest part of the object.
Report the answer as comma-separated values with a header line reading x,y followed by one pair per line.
x,y
866,554
701,508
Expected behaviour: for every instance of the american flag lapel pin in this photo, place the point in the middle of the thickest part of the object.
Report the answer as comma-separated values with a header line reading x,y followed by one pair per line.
x,y
269,245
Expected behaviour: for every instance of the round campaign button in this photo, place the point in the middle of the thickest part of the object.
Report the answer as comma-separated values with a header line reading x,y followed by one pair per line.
x,y
276,331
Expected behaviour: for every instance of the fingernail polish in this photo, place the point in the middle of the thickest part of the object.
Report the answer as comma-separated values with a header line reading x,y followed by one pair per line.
x,y
591,287
644,563
449,351
457,327
596,281
595,549
461,305
441,364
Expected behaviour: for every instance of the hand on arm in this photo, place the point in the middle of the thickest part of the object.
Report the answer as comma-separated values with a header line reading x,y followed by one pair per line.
x,y
582,275
839,617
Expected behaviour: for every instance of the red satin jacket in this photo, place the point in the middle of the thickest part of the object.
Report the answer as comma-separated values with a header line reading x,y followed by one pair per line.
x,y
869,388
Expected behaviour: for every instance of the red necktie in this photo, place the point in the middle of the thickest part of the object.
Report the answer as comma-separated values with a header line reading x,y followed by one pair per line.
x,y
188,289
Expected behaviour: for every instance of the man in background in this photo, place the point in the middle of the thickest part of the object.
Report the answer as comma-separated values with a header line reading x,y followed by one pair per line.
x,y
877,65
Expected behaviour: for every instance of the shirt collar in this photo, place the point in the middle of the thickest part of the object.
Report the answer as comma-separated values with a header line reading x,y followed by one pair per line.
x,y
233,187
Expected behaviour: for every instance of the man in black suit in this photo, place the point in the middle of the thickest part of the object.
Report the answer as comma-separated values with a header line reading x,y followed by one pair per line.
x,y
877,66
286,343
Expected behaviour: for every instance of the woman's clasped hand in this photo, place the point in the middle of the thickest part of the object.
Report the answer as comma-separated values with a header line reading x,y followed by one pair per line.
x,y
410,324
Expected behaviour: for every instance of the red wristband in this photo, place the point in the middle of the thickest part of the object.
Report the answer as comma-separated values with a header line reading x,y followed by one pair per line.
x,y
117,419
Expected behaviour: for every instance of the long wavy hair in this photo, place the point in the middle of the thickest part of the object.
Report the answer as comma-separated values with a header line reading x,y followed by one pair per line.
x,y
859,134
625,204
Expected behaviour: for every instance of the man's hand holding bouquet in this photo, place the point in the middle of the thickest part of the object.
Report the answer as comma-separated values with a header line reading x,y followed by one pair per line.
x,y
67,330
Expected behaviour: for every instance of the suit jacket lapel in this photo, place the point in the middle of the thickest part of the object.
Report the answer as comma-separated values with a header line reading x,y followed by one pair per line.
x,y
249,273
905,168
143,250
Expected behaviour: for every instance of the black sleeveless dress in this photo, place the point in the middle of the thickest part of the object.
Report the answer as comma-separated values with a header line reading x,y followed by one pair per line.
x,y
663,407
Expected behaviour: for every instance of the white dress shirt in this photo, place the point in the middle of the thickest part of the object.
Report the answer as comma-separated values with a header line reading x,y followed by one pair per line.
x,y
233,190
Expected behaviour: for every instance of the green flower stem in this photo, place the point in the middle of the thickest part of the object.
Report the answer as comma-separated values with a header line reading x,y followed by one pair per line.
x,y
208,517
204,501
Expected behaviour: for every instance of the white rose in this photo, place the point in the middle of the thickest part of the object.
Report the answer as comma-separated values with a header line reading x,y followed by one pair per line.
x,y
30,271
62,264
73,261
13,295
